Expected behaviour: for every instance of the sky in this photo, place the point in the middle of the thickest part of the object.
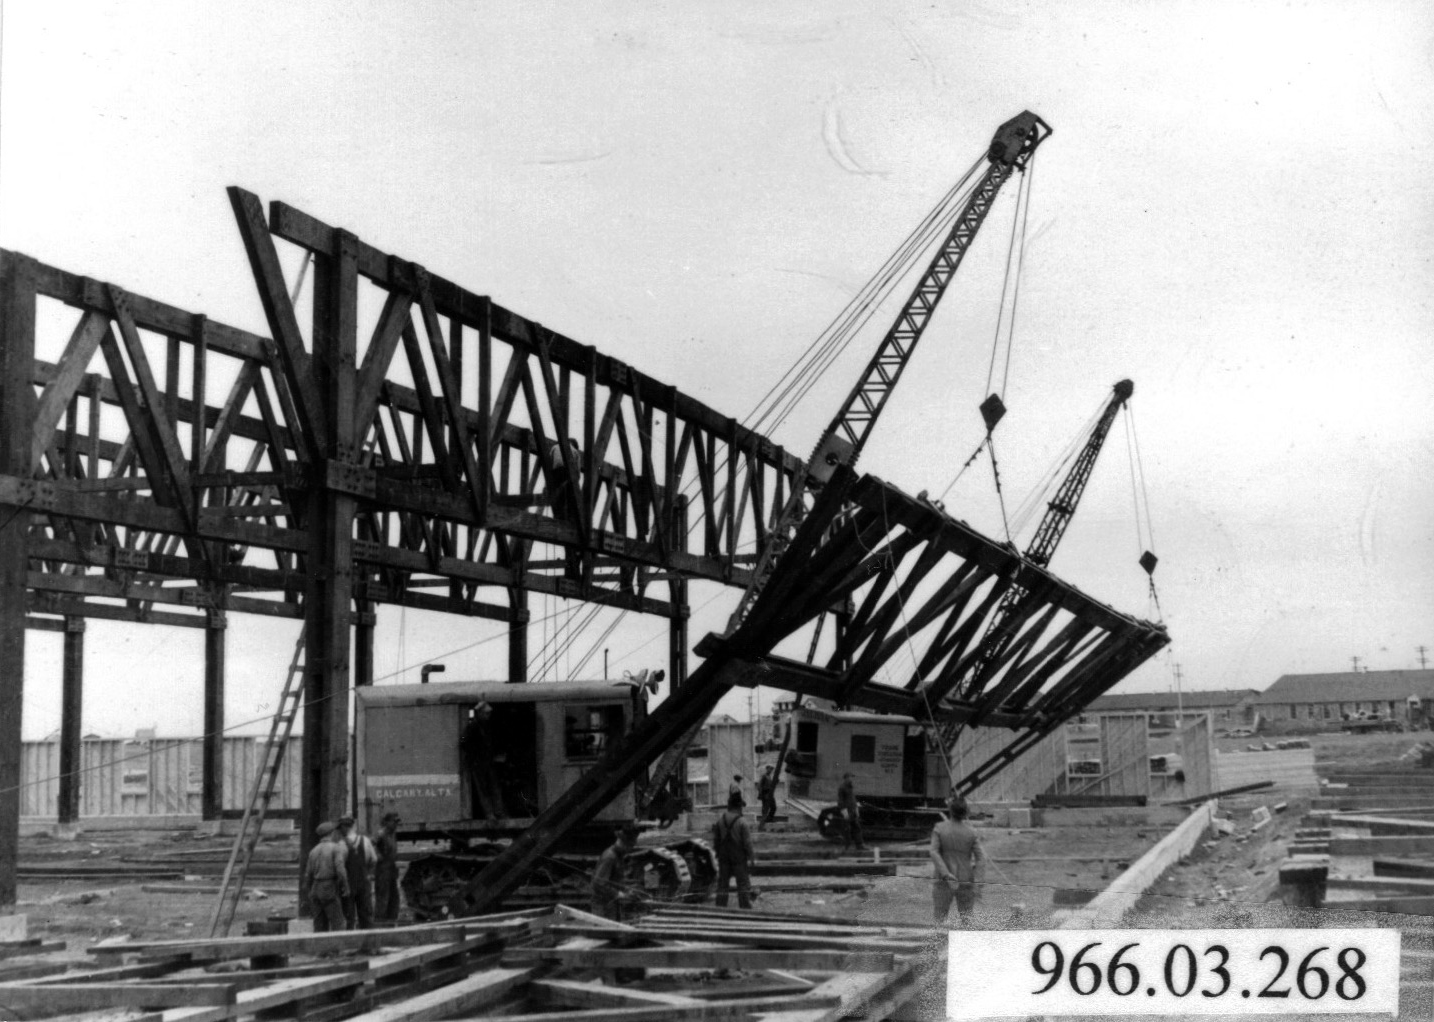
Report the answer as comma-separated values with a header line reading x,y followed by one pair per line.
x,y
1233,212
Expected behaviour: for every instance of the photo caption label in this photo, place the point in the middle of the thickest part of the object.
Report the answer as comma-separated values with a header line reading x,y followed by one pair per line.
x,y
1003,973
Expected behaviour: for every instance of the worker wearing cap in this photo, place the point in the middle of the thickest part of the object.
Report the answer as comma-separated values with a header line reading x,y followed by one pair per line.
x,y
326,879
732,841
359,861
607,885
850,812
767,793
958,860
385,871
734,790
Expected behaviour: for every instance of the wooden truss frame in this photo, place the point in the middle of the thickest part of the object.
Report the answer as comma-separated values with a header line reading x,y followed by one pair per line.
x,y
167,468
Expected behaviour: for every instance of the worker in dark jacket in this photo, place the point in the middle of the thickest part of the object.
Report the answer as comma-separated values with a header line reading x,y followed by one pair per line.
x,y
851,814
608,889
767,793
385,871
958,860
732,841
359,861
326,880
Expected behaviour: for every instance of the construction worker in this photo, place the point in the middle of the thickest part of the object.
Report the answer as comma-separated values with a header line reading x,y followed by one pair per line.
x,y
359,862
734,790
479,760
607,884
385,871
326,880
767,794
958,860
851,814
732,841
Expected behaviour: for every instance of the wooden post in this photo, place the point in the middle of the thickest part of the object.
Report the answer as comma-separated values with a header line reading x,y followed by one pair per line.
x,y
518,635
212,781
1303,880
17,401
363,645
71,705
677,630
328,597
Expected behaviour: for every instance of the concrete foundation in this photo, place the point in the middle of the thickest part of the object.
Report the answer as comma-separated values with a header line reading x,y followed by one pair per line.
x,y
1111,905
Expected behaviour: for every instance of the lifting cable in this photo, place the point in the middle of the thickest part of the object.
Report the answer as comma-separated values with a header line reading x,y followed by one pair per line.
x,y
993,408
1144,542
1041,492
783,397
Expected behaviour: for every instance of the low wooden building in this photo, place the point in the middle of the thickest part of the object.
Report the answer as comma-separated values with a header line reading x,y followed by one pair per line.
x,y
1405,696
1228,708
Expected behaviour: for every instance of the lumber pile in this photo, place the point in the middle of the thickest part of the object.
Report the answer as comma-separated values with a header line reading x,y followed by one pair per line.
x,y
1375,833
679,962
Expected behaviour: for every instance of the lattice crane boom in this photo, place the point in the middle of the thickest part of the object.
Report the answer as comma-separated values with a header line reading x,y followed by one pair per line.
x,y
1000,632
1062,507
841,443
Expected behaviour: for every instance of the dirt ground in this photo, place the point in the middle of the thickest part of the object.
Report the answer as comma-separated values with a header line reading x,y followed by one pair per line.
x,y
1227,882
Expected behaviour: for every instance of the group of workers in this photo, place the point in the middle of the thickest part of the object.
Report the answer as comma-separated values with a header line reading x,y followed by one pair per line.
x,y
352,881
957,858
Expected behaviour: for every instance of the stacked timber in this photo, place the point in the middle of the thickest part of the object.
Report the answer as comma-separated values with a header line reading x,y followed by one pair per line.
x,y
1377,828
560,964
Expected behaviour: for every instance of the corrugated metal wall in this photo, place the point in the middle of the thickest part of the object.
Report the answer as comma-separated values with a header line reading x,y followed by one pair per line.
x,y
160,776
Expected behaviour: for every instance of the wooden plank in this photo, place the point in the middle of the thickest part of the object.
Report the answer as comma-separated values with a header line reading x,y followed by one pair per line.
x,y
471,994
796,941
305,943
733,1009
145,970
705,958
850,990
597,995
32,971
55,998
1380,846
36,948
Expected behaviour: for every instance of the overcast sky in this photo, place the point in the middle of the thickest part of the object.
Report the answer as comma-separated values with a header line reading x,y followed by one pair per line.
x,y
1233,211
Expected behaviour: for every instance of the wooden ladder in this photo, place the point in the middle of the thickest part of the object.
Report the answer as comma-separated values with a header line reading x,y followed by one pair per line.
x,y
231,888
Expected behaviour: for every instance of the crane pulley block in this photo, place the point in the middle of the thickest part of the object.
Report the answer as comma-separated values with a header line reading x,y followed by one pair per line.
x,y
1017,139
831,452
993,410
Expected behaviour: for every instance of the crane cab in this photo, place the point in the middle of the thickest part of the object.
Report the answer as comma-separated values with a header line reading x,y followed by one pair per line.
x,y
485,758
886,755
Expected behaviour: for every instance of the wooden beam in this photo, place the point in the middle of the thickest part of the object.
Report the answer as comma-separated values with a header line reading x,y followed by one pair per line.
x,y
71,707
472,994
571,993
17,349
704,958
279,310
62,387
56,998
738,1008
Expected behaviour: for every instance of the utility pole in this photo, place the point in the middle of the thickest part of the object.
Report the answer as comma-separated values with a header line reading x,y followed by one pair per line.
x,y
1423,662
1179,699
1354,661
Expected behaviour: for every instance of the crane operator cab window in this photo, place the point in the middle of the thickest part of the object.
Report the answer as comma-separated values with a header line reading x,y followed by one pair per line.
x,y
589,731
